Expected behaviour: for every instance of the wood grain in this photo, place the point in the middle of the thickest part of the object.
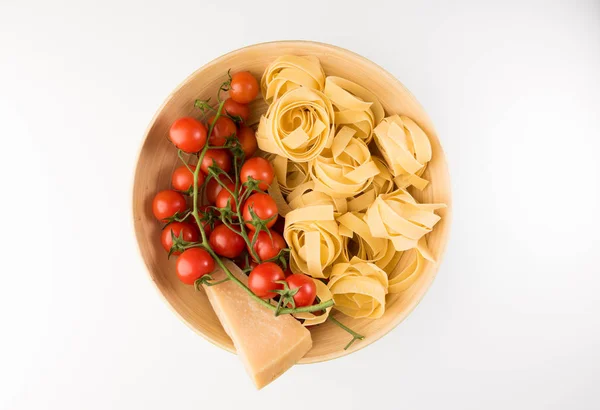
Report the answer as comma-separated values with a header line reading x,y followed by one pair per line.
x,y
158,159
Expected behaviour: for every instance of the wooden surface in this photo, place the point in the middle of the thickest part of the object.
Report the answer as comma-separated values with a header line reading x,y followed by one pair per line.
x,y
158,159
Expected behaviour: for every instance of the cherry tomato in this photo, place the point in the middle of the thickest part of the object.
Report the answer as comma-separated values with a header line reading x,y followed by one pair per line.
x,y
226,242
188,134
244,87
235,109
259,169
224,197
263,206
180,229
192,264
168,203
224,127
307,289
265,247
213,187
247,140
205,223
262,280
183,180
218,157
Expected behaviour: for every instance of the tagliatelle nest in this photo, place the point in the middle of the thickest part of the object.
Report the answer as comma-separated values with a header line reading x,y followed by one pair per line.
x,y
298,125
405,148
398,217
290,72
355,106
346,169
359,288
314,240
361,244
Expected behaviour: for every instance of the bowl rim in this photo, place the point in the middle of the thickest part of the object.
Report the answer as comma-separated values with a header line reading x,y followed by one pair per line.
x,y
448,215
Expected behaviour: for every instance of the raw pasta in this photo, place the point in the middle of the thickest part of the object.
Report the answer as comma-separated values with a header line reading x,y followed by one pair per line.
x,y
359,288
350,220
289,174
290,72
298,125
314,239
406,149
346,169
355,106
398,217
361,244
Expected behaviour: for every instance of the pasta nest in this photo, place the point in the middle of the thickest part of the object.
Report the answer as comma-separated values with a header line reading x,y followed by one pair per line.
x,y
398,217
359,288
358,242
290,72
355,106
298,125
290,174
314,240
346,169
405,148
383,182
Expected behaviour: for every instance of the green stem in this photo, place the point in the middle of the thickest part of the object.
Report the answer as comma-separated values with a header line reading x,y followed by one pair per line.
x,y
204,243
355,336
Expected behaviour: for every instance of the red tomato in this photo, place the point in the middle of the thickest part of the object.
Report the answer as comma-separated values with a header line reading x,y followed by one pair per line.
x,y
205,224
213,187
259,169
247,140
218,157
244,87
226,242
224,127
183,179
307,289
192,264
263,206
181,229
262,280
223,197
265,247
168,203
235,109
188,134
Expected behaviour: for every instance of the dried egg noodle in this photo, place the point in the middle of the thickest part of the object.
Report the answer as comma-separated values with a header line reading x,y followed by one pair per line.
x,y
349,217
346,169
383,183
298,125
305,195
290,72
314,239
289,174
360,244
406,149
407,276
355,106
310,319
398,217
359,288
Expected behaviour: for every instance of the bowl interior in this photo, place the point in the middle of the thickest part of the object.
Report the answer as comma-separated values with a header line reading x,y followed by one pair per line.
x,y
158,159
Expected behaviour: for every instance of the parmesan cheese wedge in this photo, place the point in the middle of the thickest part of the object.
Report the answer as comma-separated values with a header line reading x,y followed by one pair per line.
x,y
267,345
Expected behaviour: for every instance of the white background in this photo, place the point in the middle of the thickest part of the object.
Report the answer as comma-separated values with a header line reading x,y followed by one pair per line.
x,y
513,319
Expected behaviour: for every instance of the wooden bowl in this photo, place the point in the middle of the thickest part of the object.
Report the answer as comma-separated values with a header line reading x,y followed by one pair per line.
x,y
158,159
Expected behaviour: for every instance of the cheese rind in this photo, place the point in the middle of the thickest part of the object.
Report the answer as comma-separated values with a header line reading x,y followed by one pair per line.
x,y
267,345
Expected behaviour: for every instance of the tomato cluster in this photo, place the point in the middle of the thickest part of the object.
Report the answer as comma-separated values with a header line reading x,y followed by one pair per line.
x,y
250,235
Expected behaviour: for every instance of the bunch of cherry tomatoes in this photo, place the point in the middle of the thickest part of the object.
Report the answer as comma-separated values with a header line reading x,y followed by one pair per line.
x,y
250,235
